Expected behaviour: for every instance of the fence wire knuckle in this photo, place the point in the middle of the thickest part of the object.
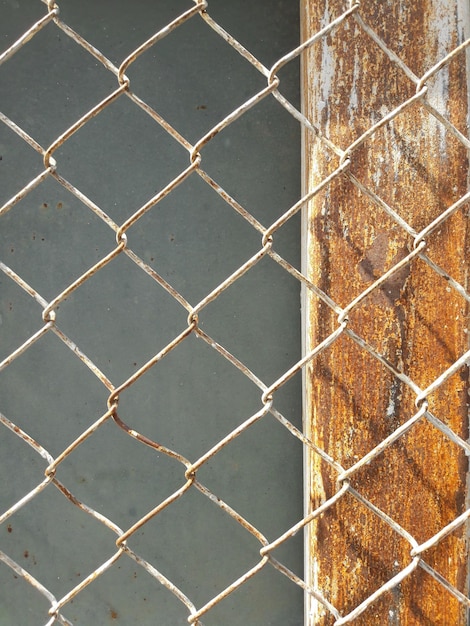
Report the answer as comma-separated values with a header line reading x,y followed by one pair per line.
x,y
124,245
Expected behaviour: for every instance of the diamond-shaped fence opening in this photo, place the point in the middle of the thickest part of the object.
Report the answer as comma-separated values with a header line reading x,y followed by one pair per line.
x,y
151,436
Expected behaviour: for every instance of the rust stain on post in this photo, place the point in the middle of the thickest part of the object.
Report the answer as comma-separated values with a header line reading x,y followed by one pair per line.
x,y
415,319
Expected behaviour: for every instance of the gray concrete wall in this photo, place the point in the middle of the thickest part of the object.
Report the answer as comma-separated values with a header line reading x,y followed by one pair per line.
x,y
120,317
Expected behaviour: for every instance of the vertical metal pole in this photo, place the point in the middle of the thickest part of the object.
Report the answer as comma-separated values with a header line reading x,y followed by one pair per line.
x,y
416,321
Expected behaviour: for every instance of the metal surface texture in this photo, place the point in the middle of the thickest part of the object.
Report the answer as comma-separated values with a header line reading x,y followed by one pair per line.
x,y
387,243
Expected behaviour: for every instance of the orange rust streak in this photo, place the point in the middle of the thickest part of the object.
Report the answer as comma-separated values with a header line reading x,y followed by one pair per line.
x,y
414,320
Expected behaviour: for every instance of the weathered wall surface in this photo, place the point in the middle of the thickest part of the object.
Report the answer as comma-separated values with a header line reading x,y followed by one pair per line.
x,y
415,320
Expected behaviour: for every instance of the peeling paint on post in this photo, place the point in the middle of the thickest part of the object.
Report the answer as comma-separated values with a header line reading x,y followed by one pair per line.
x,y
416,320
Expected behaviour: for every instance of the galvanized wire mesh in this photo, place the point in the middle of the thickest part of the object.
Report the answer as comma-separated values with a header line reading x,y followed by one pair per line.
x,y
189,481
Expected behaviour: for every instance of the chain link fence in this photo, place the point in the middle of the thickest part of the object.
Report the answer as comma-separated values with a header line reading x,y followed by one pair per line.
x,y
185,477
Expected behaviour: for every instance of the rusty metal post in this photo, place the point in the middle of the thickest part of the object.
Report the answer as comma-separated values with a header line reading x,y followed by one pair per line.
x,y
416,320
